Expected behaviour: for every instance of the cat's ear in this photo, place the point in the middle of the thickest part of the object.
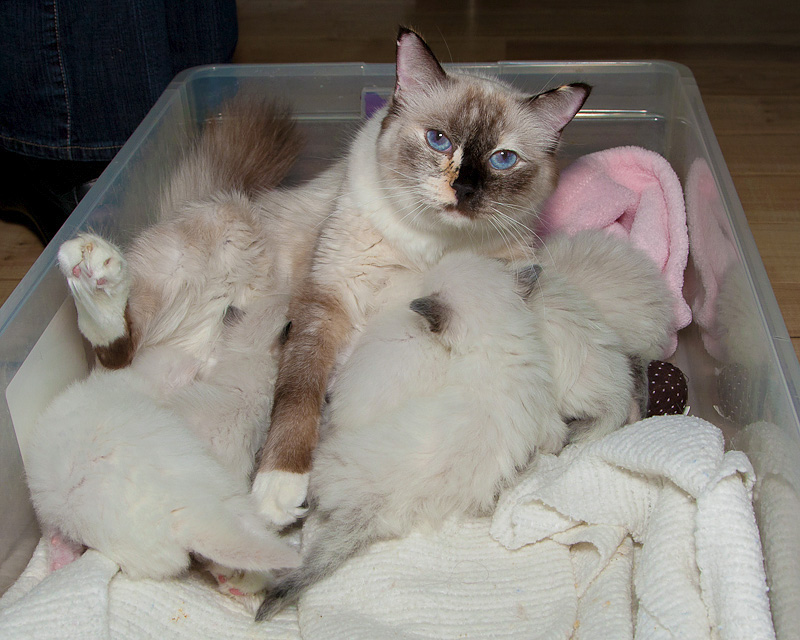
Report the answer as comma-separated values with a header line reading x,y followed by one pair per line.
x,y
433,310
527,277
558,106
417,67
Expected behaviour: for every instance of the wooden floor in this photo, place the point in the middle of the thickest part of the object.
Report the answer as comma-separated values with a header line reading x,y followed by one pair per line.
x,y
745,56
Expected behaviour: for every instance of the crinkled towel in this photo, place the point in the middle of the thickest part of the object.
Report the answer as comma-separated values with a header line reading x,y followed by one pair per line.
x,y
647,533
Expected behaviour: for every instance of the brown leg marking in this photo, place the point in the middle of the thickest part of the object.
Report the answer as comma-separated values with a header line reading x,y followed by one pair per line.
x,y
320,326
119,353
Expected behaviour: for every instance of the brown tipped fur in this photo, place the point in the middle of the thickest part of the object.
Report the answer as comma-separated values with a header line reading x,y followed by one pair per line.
x,y
248,148
119,353
253,144
320,326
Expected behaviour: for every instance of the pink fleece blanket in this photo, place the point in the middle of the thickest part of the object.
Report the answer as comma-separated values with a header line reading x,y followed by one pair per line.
x,y
714,255
633,193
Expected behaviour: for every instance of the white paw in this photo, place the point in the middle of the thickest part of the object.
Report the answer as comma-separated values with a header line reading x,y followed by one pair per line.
x,y
94,263
280,495
239,583
97,275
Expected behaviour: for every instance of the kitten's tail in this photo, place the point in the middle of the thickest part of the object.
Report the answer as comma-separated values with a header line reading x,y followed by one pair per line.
x,y
248,148
335,541
235,537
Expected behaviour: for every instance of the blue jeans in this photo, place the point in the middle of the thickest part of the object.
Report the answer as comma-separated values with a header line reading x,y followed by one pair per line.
x,y
77,76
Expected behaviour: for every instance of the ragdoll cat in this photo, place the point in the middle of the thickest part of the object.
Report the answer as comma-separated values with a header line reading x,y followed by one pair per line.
x,y
454,162
439,406
192,317
606,312
432,416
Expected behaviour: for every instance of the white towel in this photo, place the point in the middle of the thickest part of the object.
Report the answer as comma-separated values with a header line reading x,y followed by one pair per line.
x,y
90,600
648,533
777,503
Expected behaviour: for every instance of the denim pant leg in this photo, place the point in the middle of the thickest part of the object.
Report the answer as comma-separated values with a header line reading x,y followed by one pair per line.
x,y
76,78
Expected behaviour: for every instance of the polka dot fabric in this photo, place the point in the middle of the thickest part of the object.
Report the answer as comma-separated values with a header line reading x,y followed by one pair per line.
x,y
667,387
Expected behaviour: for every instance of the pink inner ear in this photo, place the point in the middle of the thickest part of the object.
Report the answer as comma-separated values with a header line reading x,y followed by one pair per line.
x,y
417,67
574,97
560,105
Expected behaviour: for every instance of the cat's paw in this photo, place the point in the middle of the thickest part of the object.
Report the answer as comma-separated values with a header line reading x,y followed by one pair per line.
x,y
280,496
239,584
93,264
97,275
62,551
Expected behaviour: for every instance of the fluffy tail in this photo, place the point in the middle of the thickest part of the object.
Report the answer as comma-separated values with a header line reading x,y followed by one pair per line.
x,y
336,539
248,148
235,537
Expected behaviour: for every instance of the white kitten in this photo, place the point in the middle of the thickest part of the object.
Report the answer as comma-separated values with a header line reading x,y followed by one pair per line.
x,y
190,319
438,407
606,312
129,479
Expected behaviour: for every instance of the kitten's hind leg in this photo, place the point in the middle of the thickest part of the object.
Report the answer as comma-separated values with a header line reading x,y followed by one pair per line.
x,y
98,277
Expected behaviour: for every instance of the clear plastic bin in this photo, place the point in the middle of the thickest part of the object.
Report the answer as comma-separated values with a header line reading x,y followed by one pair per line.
x,y
740,363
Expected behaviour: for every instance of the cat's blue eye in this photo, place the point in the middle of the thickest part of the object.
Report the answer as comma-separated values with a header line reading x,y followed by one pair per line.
x,y
438,141
503,159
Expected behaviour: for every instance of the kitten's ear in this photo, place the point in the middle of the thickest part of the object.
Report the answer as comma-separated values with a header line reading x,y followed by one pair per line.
x,y
527,277
417,67
433,310
559,106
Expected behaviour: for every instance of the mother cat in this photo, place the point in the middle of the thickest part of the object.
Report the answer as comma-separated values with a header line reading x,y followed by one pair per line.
x,y
455,162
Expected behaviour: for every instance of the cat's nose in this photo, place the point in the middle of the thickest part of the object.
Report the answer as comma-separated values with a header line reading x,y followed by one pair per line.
x,y
464,190
468,182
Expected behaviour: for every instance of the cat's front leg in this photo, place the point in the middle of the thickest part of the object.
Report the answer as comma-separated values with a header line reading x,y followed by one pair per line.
x,y
98,278
320,326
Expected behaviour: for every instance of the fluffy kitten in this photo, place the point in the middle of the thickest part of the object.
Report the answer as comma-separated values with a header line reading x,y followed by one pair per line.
x,y
606,313
191,318
455,162
118,469
431,416
438,407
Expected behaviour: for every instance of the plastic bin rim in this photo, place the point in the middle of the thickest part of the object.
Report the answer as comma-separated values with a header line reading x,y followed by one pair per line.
x,y
367,68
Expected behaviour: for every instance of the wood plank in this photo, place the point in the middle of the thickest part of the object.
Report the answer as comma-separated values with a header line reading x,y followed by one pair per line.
x,y
720,69
764,114
761,154
769,198
777,244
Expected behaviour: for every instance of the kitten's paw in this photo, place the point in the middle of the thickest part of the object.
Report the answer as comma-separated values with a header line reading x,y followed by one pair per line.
x,y
62,552
93,264
240,583
97,275
280,496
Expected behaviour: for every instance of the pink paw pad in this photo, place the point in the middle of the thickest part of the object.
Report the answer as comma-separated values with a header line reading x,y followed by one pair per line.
x,y
76,271
63,552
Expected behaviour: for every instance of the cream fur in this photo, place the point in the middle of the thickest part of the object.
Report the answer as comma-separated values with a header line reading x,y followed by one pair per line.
x,y
398,214
426,424
131,480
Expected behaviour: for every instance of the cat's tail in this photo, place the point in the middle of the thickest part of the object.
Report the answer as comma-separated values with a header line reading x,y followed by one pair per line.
x,y
336,538
234,536
247,148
